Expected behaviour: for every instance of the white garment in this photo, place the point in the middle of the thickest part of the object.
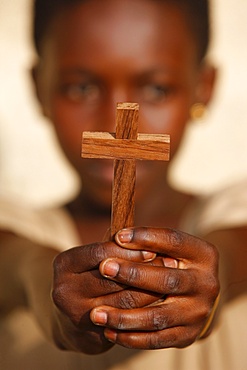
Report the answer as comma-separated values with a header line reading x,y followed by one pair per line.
x,y
52,227
226,208
22,346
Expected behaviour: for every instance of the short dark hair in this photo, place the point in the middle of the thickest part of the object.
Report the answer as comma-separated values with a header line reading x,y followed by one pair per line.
x,y
197,12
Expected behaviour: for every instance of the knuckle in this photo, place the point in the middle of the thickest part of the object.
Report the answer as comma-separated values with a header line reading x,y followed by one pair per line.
x,y
175,238
154,341
212,287
171,283
159,322
184,337
133,275
59,262
213,255
121,323
161,340
215,288
59,293
201,314
127,301
66,304
109,285
96,254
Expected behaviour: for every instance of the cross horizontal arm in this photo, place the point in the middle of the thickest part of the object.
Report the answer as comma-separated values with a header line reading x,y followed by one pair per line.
x,y
146,147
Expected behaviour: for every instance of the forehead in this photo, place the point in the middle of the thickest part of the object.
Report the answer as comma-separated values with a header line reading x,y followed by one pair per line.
x,y
128,27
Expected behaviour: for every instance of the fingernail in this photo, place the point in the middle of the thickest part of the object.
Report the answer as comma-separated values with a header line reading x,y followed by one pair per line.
x,y
110,335
124,236
170,262
99,317
148,256
110,268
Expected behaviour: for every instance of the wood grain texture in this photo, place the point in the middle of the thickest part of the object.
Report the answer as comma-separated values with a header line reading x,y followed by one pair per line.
x,y
123,195
148,147
123,192
125,147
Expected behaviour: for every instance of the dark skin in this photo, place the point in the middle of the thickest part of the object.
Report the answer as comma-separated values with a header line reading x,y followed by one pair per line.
x,y
30,282
105,292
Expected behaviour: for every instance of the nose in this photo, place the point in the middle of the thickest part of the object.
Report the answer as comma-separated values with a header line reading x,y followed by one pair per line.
x,y
106,118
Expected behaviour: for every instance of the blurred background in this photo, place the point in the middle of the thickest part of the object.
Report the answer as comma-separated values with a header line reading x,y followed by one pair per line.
x,y
214,151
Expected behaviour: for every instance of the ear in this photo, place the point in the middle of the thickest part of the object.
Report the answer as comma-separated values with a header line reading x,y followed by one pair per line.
x,y
206,84
36,80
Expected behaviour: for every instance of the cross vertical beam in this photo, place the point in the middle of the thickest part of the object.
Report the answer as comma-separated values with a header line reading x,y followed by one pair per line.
x,y
123,193
125,147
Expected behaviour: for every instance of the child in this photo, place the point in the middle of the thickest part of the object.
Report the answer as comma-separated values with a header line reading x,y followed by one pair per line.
x,y
91,55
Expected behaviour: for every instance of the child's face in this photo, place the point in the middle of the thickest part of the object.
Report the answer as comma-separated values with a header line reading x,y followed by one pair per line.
x,y
99,53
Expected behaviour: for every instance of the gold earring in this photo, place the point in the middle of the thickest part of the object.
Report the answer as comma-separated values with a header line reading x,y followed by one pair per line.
x,y
198,111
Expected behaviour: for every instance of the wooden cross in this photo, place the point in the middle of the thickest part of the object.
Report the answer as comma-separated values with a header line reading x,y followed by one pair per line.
x,y
125,147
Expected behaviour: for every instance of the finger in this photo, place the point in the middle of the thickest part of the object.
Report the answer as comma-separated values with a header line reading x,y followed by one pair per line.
x,y
144,319
160,316
128,299
157,279
91,289
91,284
155,327
80,259
173,243
179,337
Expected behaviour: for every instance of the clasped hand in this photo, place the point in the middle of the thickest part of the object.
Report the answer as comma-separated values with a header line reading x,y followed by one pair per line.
x,y
151,288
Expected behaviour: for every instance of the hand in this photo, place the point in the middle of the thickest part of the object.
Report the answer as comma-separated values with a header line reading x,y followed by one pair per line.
x,y
79,287
189,290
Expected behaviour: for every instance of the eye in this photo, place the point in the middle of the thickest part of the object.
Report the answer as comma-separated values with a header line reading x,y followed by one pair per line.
x,y
78,92
156,93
